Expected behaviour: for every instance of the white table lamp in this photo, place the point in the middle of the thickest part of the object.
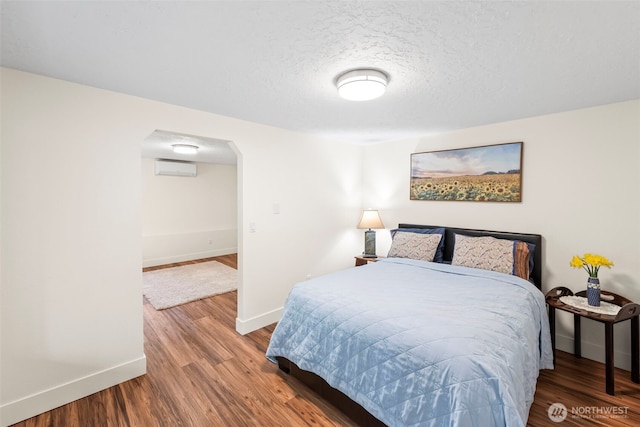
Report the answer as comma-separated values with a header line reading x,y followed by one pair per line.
x,y
370,219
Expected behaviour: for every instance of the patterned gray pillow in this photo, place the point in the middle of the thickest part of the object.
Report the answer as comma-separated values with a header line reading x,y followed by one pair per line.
x,y
487,253
414,245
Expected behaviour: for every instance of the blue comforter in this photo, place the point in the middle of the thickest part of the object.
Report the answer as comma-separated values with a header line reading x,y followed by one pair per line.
x,y
421,344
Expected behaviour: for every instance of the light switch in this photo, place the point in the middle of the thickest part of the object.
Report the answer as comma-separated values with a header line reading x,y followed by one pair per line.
x,y
252,227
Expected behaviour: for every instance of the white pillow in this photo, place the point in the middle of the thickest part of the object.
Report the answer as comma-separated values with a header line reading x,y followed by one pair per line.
x,y
487,253
414,246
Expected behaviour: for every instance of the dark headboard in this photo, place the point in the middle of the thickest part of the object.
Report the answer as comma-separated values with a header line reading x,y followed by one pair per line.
x,y
449,241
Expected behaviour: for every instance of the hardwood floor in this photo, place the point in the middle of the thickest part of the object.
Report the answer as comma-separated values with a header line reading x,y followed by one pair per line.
x,y
229,260
200,372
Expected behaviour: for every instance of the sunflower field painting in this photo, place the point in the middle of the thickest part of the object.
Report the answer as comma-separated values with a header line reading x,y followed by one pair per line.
x,y
490,173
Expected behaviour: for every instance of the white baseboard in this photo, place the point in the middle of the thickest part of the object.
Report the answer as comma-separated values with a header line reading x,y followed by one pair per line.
x,y
187,257
46,400
595,352
243,327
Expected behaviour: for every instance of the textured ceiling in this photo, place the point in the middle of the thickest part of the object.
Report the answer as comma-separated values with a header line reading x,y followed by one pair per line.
x,y
451,64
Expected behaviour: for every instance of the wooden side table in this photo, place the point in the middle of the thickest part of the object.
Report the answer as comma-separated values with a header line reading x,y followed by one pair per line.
x,y
629,311
361,260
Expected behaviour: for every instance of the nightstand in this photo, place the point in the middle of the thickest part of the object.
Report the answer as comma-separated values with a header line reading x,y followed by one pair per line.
x,y
360,260
628,311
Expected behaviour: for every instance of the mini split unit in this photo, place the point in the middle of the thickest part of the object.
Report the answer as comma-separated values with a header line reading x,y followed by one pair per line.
x,y
176,168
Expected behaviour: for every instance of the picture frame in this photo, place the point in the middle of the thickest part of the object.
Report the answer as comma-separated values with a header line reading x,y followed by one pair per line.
x,y
488,173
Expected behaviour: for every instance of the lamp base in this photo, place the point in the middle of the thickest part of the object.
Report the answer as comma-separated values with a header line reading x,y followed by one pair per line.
x,y
369,244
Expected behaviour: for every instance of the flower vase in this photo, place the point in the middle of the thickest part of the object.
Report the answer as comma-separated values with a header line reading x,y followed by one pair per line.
x,y
593,291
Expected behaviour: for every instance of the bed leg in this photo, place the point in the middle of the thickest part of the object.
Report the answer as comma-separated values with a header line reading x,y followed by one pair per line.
x,y
283,364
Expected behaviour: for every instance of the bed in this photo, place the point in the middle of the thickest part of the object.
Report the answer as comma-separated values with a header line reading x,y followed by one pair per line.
x,y
438,333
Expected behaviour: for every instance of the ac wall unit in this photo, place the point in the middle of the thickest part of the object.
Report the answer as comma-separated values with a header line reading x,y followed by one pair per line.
x,y
175,168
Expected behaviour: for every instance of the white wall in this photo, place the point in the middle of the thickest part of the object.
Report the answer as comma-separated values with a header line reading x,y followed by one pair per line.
x,y
581,191
71,247
185,218
317,187
71,300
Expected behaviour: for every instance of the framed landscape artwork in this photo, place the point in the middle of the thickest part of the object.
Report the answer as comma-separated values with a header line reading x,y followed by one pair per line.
x,y
490,173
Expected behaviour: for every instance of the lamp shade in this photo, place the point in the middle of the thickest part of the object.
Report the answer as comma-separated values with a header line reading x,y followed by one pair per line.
x,y
370,219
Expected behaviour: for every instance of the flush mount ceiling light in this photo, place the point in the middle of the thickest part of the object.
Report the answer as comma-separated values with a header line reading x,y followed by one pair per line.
x,y
362,85
185,148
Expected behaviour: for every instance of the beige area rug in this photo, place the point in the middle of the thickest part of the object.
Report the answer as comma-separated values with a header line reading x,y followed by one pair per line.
x,y
173,286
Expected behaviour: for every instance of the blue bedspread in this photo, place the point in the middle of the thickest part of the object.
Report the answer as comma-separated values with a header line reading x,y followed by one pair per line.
x,y
421,344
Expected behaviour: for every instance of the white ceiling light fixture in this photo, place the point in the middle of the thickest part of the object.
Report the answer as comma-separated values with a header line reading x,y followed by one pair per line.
x,y
185,148
362,84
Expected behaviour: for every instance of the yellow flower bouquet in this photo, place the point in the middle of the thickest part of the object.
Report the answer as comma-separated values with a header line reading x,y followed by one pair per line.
x,y
591,263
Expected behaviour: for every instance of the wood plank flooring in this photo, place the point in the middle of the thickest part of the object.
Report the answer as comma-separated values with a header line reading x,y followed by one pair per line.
x,y
201,373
